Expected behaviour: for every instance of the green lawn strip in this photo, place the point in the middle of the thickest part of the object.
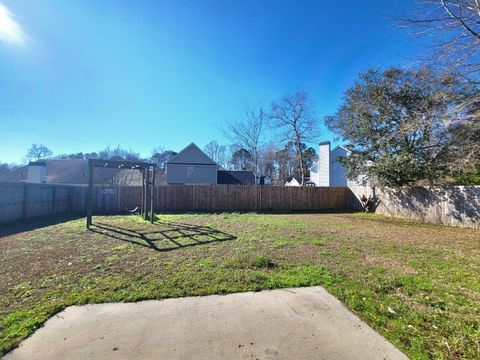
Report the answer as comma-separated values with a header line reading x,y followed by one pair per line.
x,y
422,297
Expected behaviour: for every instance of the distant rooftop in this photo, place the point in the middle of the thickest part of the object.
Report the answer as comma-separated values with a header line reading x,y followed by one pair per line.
x,y
75,172
236,177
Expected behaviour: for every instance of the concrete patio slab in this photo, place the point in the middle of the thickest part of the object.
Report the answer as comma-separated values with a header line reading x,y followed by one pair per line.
x,y
304,323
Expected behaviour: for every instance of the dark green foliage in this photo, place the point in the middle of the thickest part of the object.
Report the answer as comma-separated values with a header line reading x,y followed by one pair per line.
x,y
467,179
398,123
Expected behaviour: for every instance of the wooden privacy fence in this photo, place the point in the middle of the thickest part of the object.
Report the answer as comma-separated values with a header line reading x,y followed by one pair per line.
x,y
21,201
447,205
451,205
222,198
248,198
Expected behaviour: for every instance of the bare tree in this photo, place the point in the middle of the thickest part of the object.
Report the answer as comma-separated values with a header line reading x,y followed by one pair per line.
x,y
465,132
160,156
247,132
117,153
241,159
294,117
4,168
38,152
267,160
454,27
217,152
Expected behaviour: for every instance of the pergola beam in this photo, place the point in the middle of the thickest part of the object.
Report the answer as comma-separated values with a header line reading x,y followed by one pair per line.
x,y
115,164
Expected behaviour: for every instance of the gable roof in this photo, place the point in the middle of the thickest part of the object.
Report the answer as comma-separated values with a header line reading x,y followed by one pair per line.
x,y
335,149
236,177
192,155
338,148
295,180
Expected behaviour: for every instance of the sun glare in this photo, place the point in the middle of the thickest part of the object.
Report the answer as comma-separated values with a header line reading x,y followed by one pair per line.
x,y
11,32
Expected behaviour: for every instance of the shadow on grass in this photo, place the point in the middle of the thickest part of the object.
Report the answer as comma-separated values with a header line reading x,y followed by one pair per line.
x,y
19,226
176,235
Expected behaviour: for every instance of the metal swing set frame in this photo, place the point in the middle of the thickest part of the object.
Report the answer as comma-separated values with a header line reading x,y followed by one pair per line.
x,y
148,184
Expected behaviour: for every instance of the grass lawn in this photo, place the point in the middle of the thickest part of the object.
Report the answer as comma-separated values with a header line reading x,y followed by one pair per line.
x,y
417,284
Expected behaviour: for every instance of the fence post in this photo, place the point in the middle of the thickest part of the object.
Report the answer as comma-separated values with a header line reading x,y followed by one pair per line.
x,y
90,195
291,200
70,200
54,197
194,205
24,202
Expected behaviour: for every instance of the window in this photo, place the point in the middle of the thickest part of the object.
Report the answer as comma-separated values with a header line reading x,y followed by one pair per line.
x,y
190,172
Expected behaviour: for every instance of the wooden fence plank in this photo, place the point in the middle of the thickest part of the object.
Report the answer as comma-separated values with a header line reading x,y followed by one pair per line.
x,y
454,205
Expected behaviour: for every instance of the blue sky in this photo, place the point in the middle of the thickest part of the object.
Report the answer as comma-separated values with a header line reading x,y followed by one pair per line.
x,y
78,75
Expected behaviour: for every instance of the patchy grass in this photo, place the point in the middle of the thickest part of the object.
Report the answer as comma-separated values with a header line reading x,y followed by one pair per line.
x,y
417,284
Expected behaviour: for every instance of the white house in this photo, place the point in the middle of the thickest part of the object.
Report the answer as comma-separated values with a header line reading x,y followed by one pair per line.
x,y
328,171
192,166
293,182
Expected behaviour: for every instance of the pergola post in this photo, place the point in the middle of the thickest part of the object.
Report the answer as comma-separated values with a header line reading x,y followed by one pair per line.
x,y
142,208
152,194
90,195
147,187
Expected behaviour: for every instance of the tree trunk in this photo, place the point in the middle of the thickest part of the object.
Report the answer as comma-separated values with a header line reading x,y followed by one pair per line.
x,y
300,159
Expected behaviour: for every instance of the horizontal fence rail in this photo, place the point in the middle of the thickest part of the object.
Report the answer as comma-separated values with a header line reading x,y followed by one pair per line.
x,y
221,198
451,205
248,198
21,201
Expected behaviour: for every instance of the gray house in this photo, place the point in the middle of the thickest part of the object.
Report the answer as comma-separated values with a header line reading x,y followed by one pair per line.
x,y
192,166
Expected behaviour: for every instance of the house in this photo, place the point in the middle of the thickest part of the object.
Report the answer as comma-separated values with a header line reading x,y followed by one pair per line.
x,y
294,181
328,171
236,177
297,181
193,166
73,172
265,180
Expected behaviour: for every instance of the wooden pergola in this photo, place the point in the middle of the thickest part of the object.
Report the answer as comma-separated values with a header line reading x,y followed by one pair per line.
x,y
148,185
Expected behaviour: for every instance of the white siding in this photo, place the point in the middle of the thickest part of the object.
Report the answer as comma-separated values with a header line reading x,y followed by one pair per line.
x,y
36,173
337,171
324,164
328,171
314,175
